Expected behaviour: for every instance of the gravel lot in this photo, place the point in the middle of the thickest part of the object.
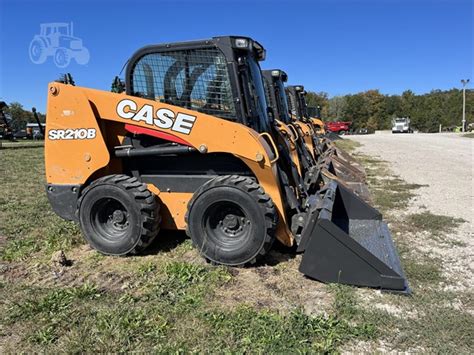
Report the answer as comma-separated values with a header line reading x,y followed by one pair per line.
x,y
444,164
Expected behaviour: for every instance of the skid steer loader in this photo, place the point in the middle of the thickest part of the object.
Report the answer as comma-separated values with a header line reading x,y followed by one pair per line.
x,y
322,167
187,147
343,165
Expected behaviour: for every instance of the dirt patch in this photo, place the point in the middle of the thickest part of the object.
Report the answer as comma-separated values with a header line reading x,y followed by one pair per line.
x,y
279,286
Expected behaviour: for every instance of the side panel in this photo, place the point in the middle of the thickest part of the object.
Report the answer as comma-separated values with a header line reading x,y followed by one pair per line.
x,y
74,146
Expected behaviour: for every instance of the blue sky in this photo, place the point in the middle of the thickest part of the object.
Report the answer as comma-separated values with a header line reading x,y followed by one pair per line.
x,y
338,46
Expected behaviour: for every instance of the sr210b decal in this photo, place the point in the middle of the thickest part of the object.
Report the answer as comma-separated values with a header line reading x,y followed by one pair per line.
x,y
163,118
78,133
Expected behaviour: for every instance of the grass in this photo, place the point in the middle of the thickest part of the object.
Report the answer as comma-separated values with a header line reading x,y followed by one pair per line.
x,y
169,314
435,224
6,144
247,330
348,145
389,192
31,226
170,300
160,302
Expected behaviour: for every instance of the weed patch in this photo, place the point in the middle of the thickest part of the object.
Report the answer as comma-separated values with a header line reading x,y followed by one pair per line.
x,y
436,225
266,331
347,144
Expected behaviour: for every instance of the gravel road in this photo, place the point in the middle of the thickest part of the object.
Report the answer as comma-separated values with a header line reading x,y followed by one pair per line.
x,y
444,162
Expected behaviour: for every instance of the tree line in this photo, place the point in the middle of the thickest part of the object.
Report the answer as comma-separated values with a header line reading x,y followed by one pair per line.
x,y
373,110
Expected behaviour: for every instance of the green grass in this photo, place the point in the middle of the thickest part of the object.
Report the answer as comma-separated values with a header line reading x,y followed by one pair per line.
x,y
348,145
161,303
30,226
389,192
436,225
170,314
247,330
170,301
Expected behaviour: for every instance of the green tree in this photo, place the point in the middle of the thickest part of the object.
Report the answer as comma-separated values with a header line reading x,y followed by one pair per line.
x,y
336,108
356,110
315,99
20,117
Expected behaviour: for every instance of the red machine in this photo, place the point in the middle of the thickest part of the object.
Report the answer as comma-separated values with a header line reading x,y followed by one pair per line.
x,y
338,127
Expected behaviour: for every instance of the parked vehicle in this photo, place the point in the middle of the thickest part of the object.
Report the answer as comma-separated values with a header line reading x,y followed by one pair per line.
x,y
339,127
401,125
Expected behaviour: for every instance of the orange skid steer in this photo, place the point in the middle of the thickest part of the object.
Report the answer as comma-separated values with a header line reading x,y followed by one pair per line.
x,y
187,147
343,164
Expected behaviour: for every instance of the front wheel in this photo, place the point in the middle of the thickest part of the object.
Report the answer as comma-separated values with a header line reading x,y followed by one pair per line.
x,y
118,215
231,220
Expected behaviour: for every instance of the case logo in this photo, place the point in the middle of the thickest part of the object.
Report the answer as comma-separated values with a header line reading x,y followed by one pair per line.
x,y
163,118
78,133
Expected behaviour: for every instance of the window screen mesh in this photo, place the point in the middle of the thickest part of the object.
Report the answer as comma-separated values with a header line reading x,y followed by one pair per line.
x,y
292,102
196,79
268,95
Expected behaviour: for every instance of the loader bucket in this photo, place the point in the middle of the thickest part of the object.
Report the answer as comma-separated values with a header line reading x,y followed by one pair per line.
x,y
342,170
359,188
329,149
345,241
346,157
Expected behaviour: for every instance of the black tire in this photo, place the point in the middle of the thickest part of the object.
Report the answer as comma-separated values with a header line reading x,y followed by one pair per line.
x,y
231,220
118,215
342,133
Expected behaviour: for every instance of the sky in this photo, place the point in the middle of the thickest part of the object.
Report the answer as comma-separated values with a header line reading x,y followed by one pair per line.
x,y
339,46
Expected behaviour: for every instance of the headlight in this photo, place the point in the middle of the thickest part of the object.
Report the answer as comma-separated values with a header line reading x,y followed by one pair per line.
x,y
275,73
242,43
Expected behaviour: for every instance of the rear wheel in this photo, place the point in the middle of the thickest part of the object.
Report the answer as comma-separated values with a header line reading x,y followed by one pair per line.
x,y
231,220
118,215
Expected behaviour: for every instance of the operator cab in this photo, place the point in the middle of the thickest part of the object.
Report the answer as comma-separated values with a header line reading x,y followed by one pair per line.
x,y
275,92
219,76
297,102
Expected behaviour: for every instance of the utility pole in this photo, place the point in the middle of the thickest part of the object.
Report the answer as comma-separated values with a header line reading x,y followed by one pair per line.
x,y
464,83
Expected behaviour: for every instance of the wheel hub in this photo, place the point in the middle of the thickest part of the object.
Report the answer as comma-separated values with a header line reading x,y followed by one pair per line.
x,y
231,222
118,216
